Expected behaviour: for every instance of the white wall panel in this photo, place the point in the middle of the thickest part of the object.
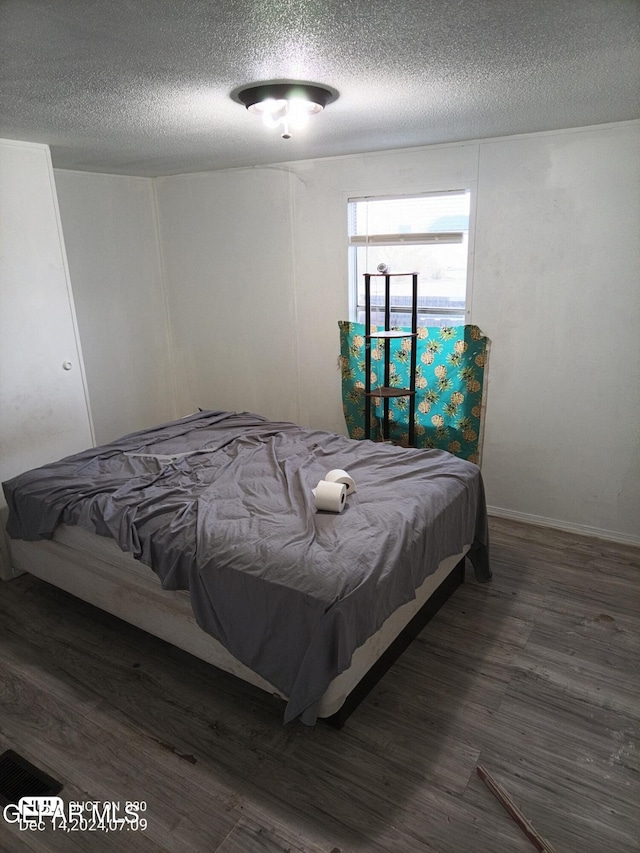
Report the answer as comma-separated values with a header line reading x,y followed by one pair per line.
x,y
111,236
227,243
557,287
44,412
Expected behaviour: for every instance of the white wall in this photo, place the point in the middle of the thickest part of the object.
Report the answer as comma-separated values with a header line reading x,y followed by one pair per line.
x,y
111,238
228,256
557,287
256,271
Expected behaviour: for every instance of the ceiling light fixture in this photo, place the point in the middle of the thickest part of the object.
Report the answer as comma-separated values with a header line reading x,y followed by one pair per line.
x,y
285,105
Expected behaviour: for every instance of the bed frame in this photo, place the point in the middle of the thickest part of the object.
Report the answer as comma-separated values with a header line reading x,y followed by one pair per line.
x,y
94,569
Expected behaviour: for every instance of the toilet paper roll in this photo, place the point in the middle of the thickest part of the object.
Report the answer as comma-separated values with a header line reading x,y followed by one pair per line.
x,y
330,497
337,475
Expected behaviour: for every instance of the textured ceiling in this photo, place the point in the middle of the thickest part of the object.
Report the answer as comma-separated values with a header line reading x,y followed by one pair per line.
x,y
143,87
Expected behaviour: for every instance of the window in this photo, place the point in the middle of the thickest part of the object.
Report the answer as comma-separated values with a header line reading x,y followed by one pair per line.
x,y
427,234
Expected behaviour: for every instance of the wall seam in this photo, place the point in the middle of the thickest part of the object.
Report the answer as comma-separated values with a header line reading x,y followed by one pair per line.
x,y
162,268
294,289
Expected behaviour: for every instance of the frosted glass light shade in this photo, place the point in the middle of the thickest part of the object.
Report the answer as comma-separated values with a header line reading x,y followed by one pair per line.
x,y
285,105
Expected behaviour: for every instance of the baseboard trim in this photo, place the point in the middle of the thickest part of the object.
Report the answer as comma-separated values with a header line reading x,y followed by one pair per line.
x,y
570,527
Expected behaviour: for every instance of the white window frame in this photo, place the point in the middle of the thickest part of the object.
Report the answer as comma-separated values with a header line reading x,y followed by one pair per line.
x,y
353,241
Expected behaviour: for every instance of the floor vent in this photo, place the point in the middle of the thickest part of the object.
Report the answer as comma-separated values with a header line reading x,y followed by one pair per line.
x,y
19,778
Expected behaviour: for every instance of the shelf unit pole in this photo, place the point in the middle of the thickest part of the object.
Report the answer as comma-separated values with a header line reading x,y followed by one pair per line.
x,y
367,356
414,347
387,359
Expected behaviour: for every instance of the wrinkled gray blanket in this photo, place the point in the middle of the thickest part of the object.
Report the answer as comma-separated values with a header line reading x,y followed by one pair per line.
x,y
220,503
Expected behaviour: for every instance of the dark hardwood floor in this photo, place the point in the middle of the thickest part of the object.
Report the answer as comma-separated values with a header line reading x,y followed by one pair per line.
x,y
534,675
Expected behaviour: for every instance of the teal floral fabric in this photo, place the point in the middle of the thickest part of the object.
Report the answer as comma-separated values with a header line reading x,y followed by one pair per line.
x,y
450,364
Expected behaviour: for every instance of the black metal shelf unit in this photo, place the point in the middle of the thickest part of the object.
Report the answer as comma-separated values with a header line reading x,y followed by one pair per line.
x,y
387,391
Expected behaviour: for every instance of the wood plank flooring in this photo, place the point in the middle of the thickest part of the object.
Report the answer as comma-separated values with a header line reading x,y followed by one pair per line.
x,y
534,675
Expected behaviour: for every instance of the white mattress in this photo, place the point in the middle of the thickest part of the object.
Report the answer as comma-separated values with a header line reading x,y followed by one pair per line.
x,y
94,569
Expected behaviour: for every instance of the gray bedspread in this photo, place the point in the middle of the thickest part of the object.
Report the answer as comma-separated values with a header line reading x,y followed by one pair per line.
x,y
220,503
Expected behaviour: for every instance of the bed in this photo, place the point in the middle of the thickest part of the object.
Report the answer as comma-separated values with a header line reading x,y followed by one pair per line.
x,y
204,532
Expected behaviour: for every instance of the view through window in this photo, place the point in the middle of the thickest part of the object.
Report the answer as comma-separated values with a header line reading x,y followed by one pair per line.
x,y
427,234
